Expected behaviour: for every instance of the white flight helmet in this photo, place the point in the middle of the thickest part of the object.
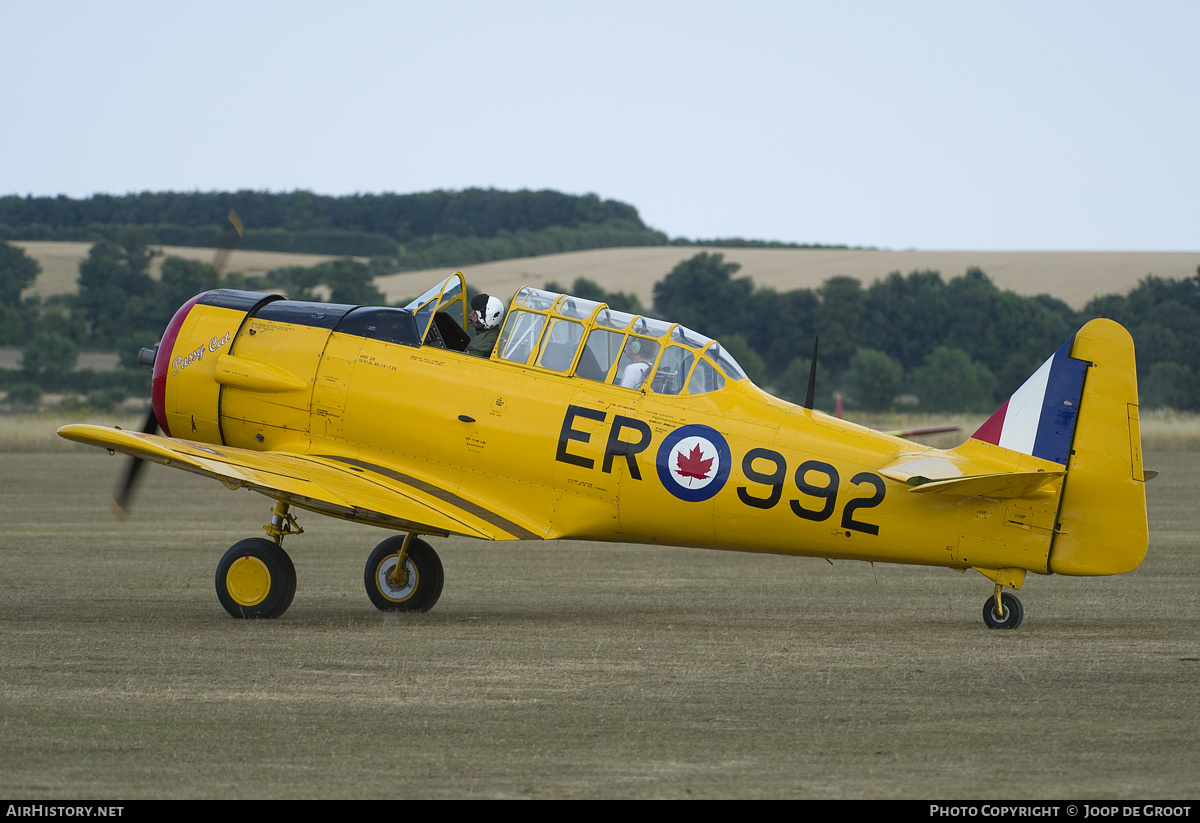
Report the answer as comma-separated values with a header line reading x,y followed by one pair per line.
x,y
490,310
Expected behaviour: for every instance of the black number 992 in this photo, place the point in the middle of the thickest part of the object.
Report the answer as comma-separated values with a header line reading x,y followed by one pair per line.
x,y
818,481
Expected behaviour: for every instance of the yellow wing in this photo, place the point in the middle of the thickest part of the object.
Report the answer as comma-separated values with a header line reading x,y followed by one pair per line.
x,y
338,486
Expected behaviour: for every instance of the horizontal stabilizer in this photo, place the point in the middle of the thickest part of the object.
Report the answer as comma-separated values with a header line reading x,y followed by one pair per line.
x,y
1014,484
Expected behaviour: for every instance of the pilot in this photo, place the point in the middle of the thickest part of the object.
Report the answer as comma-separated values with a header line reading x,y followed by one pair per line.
x,y
641,352
486,312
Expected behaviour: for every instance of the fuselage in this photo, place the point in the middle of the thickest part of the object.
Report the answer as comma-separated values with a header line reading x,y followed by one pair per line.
x,y
541,451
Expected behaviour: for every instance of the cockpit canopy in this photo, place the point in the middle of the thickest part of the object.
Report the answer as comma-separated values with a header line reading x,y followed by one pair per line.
x,y
556,332
571,335
568,334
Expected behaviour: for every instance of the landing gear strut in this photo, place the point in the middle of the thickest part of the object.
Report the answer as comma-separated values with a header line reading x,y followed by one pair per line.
x,y
256,578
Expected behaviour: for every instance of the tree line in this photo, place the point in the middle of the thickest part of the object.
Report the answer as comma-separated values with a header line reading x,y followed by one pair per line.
x,y
401,231
120,307
912,340
917,340
398,232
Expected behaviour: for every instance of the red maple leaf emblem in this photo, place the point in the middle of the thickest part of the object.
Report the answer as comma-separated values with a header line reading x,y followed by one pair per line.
x,y
693,464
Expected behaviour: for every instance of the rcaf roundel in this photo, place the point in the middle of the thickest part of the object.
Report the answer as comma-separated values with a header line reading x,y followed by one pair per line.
x,y
693,463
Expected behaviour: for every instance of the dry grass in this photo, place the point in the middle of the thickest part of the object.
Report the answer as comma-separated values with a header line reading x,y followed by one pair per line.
x,y
1168,429
36,432
1162,429
11,357
570,670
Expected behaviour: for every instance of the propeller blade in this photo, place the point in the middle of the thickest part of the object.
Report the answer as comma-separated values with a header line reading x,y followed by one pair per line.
x,y
812,378
123,495
229,238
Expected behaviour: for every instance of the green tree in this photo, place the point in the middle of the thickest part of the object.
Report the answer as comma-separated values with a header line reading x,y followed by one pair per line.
x,y
783,326
181,281
103,278
296,282
135,245
873,380
24,394
971,313
118,297
351,282
843,304
48,357
907,315
12,326
792,385
1169,385
1156,343
18,271
701,293
951,381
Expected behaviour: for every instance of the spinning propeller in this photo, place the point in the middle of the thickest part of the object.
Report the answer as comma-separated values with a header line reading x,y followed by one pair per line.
x,y
123,494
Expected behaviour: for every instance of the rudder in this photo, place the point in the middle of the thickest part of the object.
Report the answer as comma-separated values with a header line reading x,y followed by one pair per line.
x,y
1080,410
1102,526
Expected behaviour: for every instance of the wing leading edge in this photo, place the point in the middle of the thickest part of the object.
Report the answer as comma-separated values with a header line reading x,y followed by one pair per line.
x,y
341,487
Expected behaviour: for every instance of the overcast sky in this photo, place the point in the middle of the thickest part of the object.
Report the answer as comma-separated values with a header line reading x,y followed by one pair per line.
x,y
956,125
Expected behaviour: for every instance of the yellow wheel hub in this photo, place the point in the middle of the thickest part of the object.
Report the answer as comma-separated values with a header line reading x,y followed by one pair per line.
x,y
248,581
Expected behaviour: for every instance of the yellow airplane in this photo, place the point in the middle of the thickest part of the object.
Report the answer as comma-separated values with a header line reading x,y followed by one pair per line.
x,y
587,423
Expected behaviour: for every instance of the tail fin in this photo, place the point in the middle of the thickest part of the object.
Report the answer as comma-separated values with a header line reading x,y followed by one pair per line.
x,y
1080,409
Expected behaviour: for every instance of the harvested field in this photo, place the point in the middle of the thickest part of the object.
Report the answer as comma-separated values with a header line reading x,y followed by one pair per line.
x,y
570,669
1074,277
60,262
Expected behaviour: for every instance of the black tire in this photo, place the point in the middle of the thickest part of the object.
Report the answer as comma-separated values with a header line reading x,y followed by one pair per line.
x,y
256,579
1014,612
425,577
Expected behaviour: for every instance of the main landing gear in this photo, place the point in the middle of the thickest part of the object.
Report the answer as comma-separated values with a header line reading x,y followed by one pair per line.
x,y
256,578
403,574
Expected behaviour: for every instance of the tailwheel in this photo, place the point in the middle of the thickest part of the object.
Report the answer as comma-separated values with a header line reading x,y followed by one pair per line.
x,y
256,578
412,586
1013,614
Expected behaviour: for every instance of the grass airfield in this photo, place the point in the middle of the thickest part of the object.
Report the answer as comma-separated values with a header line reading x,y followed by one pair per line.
x,y
581,670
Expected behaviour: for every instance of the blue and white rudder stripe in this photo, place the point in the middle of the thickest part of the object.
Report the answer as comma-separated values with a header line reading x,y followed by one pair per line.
x,y
1039,418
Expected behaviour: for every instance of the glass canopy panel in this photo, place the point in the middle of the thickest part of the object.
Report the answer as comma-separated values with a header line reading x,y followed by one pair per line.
x,y
601,351
650,327
726,361
705,378
575,307
520,336
443,293
560,344
536,299
673,370
690,338
614,319
637,359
